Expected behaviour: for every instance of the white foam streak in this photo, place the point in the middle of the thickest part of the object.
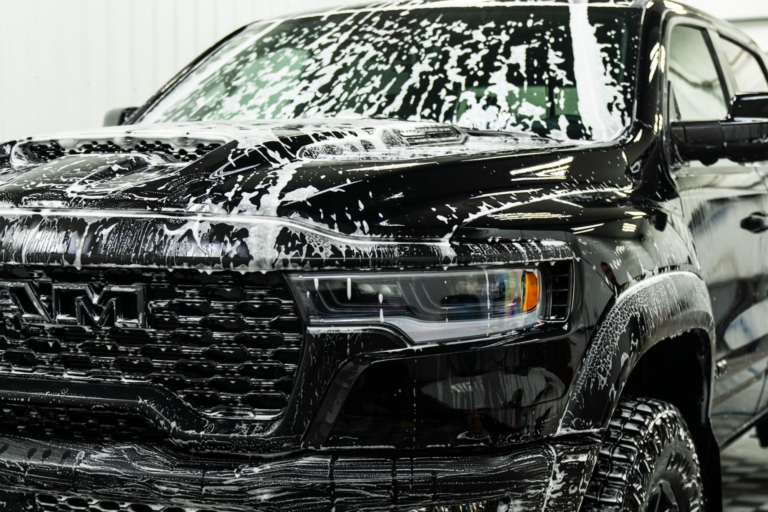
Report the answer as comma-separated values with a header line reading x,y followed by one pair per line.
x,y
596,89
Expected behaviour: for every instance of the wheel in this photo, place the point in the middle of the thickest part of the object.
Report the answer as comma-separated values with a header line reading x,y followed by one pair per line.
x,y
647,463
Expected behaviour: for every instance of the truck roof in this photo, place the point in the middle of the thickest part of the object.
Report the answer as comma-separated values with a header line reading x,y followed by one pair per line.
x,y
416,4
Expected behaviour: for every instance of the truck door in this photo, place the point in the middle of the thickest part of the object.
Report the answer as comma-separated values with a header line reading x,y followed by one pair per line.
x,y
748,75
722,203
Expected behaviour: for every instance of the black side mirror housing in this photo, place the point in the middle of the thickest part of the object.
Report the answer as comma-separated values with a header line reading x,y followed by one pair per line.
x,y
743,137
119,116
5,151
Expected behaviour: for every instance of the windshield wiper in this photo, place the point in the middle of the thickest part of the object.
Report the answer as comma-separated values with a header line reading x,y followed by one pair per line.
x,y
393,117
501,133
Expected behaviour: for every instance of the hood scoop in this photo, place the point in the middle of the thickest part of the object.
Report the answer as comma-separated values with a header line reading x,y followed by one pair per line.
x,y
381,142
179,149
432,135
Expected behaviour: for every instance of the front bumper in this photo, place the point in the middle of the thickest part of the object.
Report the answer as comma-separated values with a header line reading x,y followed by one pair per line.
x,y
78,476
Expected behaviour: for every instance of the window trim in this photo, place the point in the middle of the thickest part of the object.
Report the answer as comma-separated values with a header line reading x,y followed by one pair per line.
x,y
714,52
725,37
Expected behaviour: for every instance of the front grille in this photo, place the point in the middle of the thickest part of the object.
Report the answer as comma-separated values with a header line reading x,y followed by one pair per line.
x,y
75,423
226,343
52,503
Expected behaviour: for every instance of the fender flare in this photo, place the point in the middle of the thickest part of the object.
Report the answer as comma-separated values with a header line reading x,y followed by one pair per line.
x,y
660,307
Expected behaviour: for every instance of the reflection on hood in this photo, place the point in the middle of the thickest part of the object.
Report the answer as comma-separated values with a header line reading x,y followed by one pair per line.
x,y
313,188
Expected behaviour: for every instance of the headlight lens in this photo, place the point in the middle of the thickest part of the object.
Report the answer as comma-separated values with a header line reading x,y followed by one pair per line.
x,y
427,306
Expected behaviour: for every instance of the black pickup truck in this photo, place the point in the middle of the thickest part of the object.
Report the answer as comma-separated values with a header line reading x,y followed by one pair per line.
x,y
417,256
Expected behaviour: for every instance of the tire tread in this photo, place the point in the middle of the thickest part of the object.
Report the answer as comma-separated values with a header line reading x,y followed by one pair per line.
x,y
637,435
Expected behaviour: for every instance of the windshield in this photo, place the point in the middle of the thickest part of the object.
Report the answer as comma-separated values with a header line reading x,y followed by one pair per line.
x,y
565,72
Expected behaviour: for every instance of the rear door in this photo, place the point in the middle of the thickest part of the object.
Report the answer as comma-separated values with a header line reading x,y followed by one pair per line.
x,y
747,74
718,201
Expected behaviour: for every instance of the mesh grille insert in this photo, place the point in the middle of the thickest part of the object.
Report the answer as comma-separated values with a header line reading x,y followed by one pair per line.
x,y
226,343
559,286
77,423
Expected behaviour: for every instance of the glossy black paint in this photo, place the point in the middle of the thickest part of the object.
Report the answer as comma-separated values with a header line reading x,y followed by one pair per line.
x,y
496,396
661,250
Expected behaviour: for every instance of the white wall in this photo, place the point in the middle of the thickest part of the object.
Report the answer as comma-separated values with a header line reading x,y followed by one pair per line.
x,y
749,15
732,9
64,63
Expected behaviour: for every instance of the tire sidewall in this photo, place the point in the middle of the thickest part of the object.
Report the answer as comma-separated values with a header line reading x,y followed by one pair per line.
x,y
679,466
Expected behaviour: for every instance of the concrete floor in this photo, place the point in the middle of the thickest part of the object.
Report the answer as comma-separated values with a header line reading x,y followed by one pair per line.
x,y
745,476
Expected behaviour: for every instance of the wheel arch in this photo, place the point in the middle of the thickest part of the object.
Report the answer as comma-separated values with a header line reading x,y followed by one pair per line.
x,y
656,340
665,307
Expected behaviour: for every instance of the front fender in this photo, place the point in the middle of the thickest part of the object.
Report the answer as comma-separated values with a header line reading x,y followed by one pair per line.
x,y
657,308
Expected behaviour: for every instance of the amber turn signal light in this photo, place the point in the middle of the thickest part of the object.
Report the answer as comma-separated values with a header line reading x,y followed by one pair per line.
x,y
531,294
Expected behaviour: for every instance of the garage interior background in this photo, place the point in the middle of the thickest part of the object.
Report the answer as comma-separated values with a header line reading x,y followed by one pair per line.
x,y
64,63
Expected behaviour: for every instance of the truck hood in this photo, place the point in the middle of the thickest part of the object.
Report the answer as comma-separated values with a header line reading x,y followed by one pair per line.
x,y
363,181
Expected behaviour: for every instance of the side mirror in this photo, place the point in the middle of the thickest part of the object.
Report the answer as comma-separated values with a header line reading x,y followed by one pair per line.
x,y
743,137
5,151
118,116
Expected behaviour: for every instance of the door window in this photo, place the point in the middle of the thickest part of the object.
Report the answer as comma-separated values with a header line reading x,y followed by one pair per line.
x,y
695,77
749,74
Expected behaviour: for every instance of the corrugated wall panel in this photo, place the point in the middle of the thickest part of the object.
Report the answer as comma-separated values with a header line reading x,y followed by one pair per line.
x,y
64,63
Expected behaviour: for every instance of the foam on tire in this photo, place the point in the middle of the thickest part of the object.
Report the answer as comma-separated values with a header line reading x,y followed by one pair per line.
x,y
645,439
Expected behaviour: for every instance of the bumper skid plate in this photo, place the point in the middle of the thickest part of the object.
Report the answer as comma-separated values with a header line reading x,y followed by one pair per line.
x,y
45,475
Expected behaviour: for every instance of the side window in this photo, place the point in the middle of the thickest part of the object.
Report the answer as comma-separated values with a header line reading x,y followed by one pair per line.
x,y
694,76
749,74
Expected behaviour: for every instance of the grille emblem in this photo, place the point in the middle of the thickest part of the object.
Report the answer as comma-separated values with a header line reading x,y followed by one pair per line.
x,y
79,304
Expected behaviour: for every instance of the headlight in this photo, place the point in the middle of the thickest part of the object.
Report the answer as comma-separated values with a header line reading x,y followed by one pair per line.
x,y
427,306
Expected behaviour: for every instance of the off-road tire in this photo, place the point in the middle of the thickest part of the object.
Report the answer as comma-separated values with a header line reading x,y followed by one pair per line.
x,y
647,455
